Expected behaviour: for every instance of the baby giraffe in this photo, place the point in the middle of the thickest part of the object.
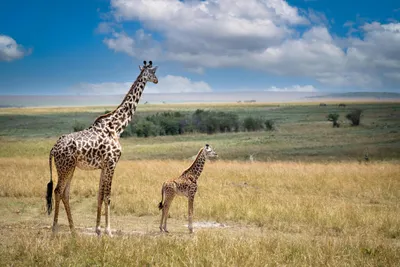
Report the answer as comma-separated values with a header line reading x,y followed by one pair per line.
x,y
185,185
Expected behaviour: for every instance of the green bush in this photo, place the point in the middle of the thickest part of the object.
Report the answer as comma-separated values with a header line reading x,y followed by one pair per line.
x,y
354,117
269,125
210,122
129,131
170,123
253,124
79,126
203,121
146,128
333,117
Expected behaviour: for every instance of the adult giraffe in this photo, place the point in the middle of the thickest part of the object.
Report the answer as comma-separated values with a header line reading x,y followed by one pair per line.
x,y
96,147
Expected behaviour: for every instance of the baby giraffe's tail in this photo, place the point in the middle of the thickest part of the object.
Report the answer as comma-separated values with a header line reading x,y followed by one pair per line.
x,y
160,205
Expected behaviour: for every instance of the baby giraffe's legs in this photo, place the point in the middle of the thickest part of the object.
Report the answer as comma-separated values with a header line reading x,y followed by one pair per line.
x,y
190,206
165,210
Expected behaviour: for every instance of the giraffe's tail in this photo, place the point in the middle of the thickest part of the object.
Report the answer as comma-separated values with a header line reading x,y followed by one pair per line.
x,y
49,194
161,205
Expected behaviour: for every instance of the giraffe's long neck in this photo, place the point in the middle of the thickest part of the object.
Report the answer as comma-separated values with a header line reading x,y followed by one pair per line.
x,y
197,166
117,120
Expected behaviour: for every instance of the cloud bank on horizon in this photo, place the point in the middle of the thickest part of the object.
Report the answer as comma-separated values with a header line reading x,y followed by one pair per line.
x,y
271,37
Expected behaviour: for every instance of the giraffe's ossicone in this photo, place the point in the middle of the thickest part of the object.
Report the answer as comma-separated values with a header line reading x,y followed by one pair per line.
x,y
184,185
96,147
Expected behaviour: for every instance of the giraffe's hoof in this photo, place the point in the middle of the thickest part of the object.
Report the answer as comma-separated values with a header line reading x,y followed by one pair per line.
x,y
98,231
54,229
108,232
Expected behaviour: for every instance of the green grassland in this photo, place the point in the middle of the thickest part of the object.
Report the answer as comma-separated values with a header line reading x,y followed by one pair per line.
x,y
302,132
307,198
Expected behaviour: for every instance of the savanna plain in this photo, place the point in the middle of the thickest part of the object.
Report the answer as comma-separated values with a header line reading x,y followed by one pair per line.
x,y
301,194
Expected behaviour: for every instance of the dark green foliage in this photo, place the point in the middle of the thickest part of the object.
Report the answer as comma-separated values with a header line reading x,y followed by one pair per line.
x,y
253,124
333,117
107,111
354,117
205,121
269,125
201,121
146,128
129,131
169,123
78,126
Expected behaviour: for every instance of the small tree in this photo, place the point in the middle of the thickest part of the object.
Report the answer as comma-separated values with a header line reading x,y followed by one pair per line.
x,y
354,117
78,126
146,128
333,117
252,124
269,125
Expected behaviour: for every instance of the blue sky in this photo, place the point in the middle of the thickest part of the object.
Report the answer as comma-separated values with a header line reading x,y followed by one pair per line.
x,y
94,47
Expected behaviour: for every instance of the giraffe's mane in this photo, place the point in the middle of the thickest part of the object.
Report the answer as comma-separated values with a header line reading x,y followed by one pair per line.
x,y
123,101
197,157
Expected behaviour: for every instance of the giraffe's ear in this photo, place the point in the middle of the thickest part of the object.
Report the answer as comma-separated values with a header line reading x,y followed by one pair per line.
x,y
140,68
153,69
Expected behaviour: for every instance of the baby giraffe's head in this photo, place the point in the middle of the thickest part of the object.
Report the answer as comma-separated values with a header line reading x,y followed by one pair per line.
x,y
209,152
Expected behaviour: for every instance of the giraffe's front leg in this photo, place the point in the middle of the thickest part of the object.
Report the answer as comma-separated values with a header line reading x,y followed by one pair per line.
x,y
107,201
100,199
107,213
190,213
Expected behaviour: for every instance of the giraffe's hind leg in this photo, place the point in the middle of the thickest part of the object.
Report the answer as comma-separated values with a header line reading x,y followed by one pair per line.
x,y
57,199
65,199
169,196
65,170
61,192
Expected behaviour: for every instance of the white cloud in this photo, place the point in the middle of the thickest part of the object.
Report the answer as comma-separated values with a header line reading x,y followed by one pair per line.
x,y
212,25
293,88
120,42
198,70
262,35
106,88
393,75
317,17
10,50
179,84
105,27
167,84
141,45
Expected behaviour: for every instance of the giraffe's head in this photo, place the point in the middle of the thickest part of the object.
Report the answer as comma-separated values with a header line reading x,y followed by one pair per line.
x,y
149,72
209,152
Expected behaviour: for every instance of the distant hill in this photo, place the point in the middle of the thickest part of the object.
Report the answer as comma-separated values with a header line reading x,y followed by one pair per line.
x,y
376,95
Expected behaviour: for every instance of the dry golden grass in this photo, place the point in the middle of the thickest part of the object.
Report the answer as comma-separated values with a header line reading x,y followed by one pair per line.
x,y
281,213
